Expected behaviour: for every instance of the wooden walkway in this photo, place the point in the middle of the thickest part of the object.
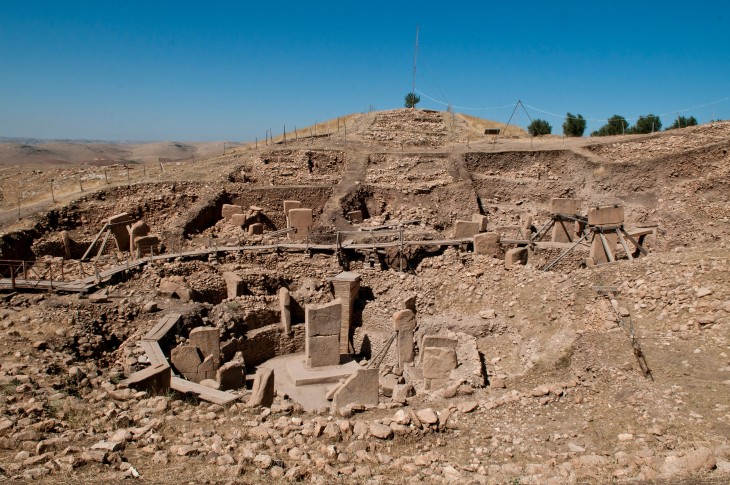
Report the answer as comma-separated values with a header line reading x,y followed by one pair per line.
x,y
85,284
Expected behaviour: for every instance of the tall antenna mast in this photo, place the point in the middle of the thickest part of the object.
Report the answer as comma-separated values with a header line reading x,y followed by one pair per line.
x,y
415,57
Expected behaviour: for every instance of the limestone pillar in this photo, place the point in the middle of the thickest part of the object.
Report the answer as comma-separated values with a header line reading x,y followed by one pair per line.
x,y
347,287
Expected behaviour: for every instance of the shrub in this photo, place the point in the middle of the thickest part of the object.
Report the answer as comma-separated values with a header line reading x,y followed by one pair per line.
x,y
616,125
682,122
412,99
574,125
539,127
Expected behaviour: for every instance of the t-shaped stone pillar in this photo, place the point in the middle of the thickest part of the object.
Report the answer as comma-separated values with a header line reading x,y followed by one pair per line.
x,y
346,286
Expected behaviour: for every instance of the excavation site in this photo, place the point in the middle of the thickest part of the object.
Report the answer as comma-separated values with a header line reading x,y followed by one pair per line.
x,y
389,297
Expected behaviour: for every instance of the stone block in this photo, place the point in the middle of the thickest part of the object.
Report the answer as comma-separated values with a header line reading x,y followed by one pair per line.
x,y
262,393
323,319
409,303
565,206
118,226
606,215
255,229
322,351
234,284
405,347
155,378
208,341
291,204
147,245
438,341
138,229
66,241
346,286
186,359
404,320
207,369
237,220
598,253
438,362
514,257
355,217
231,375
481,219
229,209
487,243
360,388
285,308
301,220
563,231
465,229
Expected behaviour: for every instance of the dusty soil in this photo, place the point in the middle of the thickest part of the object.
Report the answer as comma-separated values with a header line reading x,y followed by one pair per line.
x,y
565,400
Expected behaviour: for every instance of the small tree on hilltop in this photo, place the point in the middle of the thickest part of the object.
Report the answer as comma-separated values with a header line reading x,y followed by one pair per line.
x,y
539,127
647,124
682,122
412,99
616,125
574,125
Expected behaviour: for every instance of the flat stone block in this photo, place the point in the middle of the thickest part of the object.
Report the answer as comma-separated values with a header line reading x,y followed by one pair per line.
x,y
231,375
515,256
487,243
237,220
262,393
208,340
301,217
234,284
438,362
606,215
152,379
404,321
565,206
229,209
406,348
438,341
301,375
291,204
255,229
360,388
465,229
481,219
323,319
321,351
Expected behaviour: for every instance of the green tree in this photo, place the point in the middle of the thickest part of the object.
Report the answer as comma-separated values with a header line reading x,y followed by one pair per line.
x,y
539,127
574,125
682,122
647,124
412,99
616,125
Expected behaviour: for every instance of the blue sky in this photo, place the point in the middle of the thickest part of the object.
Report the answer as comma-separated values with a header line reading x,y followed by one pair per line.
x,y
230,70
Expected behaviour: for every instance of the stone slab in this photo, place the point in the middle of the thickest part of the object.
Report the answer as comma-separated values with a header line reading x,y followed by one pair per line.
x,y
204,393
238,220
231,375
322,351
487,243
404,320
301,375
355,217
291,204
301,217
155,378
362,387
565,206
208,340
598,252
255,229
234,284
438,341
149,244
606,215
323,319
465,229
227,210
481,219
285,309
514,257
262,393
438,362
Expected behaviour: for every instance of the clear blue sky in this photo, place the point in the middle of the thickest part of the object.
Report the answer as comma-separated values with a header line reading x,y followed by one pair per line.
x,y
230,70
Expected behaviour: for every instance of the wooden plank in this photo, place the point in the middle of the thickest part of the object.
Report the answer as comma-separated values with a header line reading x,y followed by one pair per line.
x,y
91,246
204,393
154,352
163,326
